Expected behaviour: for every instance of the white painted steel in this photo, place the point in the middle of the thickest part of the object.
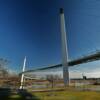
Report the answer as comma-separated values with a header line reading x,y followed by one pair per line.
x,y
64,49
22,77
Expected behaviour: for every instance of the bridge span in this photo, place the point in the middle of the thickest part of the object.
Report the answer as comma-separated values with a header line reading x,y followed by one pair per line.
x,y
88,58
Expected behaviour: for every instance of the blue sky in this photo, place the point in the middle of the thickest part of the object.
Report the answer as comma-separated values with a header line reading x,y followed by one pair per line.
x,y
31,28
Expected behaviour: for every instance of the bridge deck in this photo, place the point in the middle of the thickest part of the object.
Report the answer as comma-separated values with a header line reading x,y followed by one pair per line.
x,y
85,59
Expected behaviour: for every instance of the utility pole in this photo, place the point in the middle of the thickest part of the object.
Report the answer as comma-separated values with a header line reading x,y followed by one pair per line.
x,y
22,77
64,49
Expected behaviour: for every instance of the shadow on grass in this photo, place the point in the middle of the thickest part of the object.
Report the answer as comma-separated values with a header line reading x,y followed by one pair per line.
x,y
24,95
6,93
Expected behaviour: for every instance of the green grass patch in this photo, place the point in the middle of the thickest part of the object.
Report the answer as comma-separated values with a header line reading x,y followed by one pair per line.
x,y
69,95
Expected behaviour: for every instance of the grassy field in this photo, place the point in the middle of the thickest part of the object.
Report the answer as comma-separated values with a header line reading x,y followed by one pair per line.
x,y
69,95
61,95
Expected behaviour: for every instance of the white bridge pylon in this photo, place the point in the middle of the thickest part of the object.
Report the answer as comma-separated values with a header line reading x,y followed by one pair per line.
x,y
64,49
22,76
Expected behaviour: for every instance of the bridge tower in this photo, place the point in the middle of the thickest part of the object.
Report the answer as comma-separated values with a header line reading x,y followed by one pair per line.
x,y
64,49
22,77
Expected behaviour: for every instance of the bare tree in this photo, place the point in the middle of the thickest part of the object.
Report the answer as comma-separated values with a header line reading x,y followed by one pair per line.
x,y
3,67
52,79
